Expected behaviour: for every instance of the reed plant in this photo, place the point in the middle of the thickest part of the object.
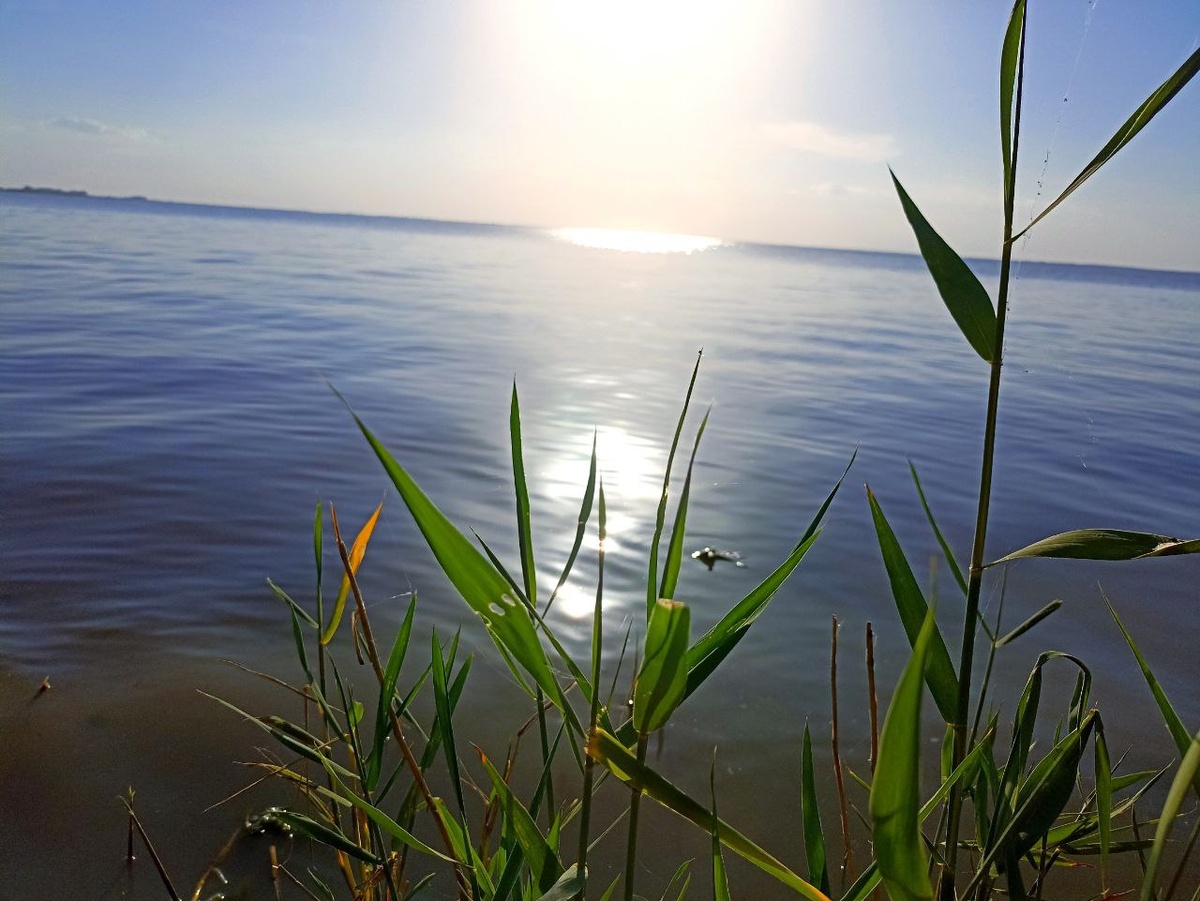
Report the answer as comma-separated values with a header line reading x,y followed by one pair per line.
x,y
1008,807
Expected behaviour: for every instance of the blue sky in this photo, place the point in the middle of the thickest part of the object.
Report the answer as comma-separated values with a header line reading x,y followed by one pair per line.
x,y
766,120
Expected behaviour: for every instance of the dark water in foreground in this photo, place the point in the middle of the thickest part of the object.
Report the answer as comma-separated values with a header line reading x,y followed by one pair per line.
x,y
167,431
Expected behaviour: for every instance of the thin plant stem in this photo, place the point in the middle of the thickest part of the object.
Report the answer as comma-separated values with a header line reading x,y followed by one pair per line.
x,y
975,579
847,851
589,767
635,803
872,698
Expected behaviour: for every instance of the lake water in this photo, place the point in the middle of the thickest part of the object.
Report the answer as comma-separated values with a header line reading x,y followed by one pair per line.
x,y
167,429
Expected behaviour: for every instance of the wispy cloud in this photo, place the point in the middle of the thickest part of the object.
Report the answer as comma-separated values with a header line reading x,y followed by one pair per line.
x,y
85,126
813,137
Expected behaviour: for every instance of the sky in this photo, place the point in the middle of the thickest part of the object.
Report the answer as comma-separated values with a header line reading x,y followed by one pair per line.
x,y
754,120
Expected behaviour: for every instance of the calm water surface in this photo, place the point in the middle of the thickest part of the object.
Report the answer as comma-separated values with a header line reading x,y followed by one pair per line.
x,y
168,429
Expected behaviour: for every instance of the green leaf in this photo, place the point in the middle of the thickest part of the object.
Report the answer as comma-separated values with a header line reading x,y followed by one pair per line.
x,y
570,884
911,605
1104,804
319,832
1174,724
964,296
1188,775
357,552
720,877
810,815
485,590
387,693
1030,623
524,525
445,722
585,513
660,517
955,569
1104,544
662,681
544,865
895,800
670,577
1141,117
1010,65
605,749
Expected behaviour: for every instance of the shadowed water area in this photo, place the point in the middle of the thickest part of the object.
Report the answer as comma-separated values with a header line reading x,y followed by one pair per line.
x,y
168,429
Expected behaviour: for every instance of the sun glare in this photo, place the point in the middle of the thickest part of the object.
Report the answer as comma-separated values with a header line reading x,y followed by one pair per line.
x,y
635,241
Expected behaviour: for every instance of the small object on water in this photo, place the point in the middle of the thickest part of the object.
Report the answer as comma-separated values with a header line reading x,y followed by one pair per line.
x,y
709,556
43,688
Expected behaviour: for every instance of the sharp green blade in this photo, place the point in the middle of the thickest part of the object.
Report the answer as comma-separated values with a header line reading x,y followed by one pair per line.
x,y
569,885
1010,64
1141,117
895,799
1189,774
544,866
524,523
810,815
1104,544
674,559
910,603
964,296
662,680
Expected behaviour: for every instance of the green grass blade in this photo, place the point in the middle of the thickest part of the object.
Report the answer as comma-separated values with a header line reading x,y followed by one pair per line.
x,y
445,722
1188,775
570,884
1104,802
810,815
1141,117
963,294
719,876
1104,544
524,523
544,865
604,748
485,590
319,832
660,517
1010,58
670,577
662,680
716,644
287,599
911,605
1029,623
1174,724
585,514
387,692
318,532
896,831
937,533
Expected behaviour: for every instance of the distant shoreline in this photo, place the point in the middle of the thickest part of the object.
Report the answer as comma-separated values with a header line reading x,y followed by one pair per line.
x,y
63,192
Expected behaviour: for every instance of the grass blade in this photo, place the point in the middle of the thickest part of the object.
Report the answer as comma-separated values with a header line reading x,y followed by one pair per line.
x,y
1010,56
569,885
1189,773
524,524
585,513
1141,117
670,577
1029,623
387,692
911,605
662,681
937,533
661,516
810,815
720,877
604,748
962,293
508,620
896,833
1104,544
544,865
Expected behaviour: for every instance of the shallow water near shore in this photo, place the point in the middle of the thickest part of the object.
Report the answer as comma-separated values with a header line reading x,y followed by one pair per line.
x,y
169,430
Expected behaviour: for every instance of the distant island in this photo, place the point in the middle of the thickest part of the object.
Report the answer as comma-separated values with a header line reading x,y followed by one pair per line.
x,y
62,192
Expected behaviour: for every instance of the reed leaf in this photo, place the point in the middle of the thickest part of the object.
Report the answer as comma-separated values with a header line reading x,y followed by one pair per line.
x,y
660,516
387,694
670,577
1104,803
1104,544
524,520
357,552
1029,623
896,831
1140,118
606,749
319,832
568,886
719,876
544,865
662,680
585,514
961,291
1010,57
485,590
955,569
810,815
1189,773
911,605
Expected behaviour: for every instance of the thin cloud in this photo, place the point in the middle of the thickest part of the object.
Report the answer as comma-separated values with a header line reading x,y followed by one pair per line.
x,y
813,137
85,126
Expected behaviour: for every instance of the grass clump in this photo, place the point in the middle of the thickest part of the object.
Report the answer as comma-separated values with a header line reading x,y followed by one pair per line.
x,y
1005,813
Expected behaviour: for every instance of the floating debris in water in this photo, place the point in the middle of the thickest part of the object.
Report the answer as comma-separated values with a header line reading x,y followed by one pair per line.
x,y
709,556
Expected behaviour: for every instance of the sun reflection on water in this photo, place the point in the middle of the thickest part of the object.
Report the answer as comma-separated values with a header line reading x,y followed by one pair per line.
x,y
625,241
